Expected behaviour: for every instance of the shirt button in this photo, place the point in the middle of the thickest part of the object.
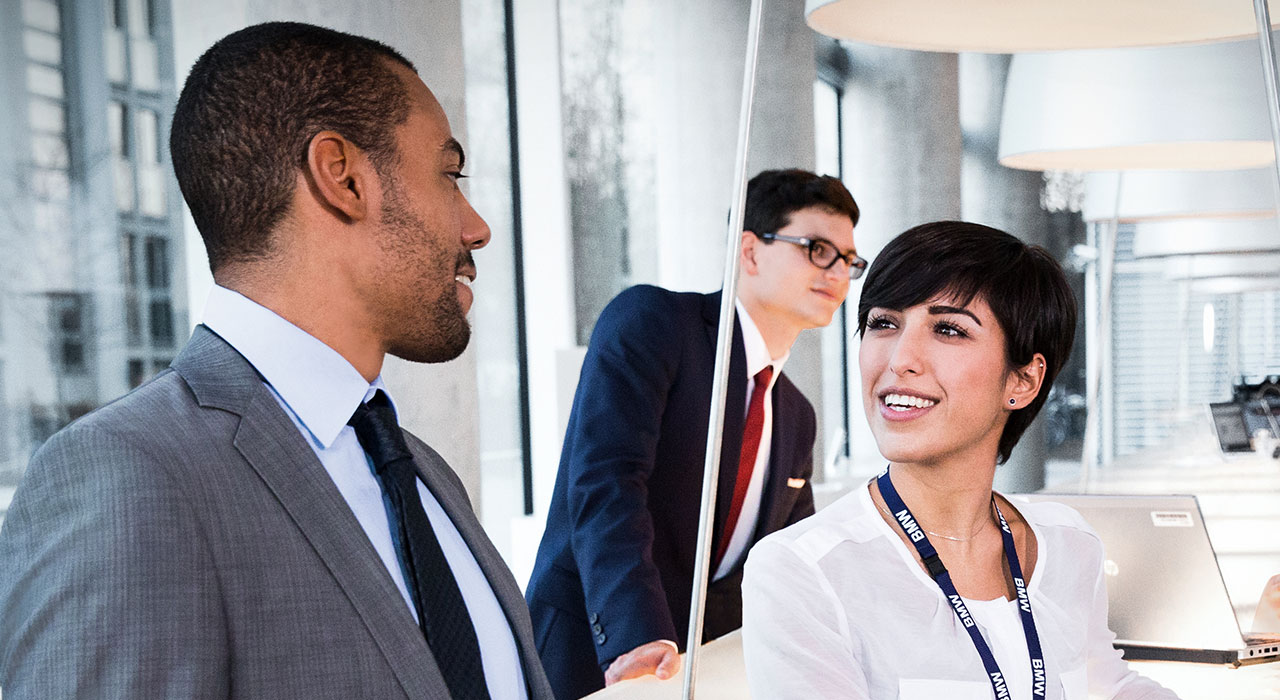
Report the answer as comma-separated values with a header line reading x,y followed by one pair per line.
x,y
600,639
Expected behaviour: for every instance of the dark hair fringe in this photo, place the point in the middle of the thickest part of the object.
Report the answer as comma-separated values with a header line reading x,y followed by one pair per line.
x,y
773,195
1022,284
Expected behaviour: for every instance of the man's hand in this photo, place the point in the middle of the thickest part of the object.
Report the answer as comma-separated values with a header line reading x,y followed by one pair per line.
x,y
659,658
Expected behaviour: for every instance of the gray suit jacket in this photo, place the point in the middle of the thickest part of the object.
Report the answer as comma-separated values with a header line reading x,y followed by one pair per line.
x,y
185,542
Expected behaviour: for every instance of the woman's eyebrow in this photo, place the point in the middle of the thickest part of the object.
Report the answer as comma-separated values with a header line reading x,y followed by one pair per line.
x,y
940,309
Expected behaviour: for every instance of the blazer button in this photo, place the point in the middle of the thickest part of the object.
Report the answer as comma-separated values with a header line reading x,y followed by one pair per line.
x,y
600,639
597,629
595,617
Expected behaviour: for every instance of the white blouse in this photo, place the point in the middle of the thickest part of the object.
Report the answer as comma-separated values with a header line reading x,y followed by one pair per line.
x,y
835,606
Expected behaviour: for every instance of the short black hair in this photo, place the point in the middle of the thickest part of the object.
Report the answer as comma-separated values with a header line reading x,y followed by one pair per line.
x,y
1022,284
774,195
247,114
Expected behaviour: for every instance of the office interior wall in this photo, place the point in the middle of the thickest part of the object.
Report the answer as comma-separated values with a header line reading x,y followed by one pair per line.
x,y
903,159
1006,199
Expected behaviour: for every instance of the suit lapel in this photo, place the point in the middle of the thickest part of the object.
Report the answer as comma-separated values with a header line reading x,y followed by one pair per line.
x,y
270,442
782,445
443,484
734,415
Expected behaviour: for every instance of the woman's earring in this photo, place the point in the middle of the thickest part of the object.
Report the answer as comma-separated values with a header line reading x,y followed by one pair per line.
x,y
1013,402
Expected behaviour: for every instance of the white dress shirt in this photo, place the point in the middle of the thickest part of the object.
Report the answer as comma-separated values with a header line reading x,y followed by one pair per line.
x,y
835,606
319,390
757,359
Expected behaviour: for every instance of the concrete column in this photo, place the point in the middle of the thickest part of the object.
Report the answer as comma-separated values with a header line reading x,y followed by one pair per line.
x,y
902,163
698,62
1006,199
698,66
437,402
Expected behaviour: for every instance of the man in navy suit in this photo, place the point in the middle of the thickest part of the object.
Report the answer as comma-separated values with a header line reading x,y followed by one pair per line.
x,y
610,592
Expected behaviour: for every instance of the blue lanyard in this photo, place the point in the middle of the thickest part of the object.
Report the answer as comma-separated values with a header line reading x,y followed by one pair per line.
x,y
902,515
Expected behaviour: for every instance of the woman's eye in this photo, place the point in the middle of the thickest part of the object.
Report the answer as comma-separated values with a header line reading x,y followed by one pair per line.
x,y
950,329
876,323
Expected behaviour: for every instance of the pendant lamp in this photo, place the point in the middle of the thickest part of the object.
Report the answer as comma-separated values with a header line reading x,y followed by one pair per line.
x,y
1235,285
1155,195
1205,237
1190,267
1170,108
1010,26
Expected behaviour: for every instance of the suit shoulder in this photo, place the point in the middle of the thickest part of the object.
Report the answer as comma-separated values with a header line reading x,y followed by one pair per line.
x,y
140,412
647,309
136,434
649,299
651,295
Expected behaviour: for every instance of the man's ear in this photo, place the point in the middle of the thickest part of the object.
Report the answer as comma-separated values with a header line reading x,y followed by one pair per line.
x,y
747,249
1023,384
340,175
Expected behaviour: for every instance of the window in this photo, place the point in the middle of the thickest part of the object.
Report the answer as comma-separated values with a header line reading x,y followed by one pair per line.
x,y
137,373
118,133
1165,369
92,307
42,47
162,323
157,263
68,332
152,178
148,138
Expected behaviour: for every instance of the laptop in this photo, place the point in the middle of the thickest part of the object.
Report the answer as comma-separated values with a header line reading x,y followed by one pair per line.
x,y
1166,597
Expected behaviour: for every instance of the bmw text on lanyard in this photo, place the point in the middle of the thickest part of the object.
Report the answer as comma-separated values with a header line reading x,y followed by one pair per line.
x,y
940,576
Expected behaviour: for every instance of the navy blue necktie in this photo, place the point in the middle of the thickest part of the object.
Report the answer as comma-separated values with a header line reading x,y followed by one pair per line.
x,y
442,613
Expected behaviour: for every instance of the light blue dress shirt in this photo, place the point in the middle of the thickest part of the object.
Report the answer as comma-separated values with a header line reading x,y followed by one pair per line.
x,y
320,390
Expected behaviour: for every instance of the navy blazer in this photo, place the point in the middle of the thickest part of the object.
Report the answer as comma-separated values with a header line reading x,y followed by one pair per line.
x,y
615,566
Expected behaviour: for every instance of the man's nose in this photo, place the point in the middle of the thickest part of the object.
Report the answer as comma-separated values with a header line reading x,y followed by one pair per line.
x,y
475,232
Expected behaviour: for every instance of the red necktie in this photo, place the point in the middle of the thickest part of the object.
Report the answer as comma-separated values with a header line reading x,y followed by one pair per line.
x,y
751,434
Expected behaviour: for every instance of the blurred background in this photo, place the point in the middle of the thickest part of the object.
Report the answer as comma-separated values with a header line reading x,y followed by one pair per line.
x,y
600,136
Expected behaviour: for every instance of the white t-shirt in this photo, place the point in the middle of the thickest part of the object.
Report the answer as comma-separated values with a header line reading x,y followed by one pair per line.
x,y
835,606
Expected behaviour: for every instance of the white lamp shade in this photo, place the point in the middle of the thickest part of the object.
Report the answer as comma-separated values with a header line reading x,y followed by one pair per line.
x,y
1235,285
1189,267
1206,237
1154,195
1010,26
1173,108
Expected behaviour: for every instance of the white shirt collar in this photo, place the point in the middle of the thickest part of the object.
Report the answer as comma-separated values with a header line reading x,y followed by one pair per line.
x,y
757,350
314,381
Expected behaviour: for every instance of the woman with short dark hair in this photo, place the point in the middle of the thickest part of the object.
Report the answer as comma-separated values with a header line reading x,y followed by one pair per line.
x,y
926,583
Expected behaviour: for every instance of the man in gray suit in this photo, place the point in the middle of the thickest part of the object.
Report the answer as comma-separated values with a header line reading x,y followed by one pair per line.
x,y
253,523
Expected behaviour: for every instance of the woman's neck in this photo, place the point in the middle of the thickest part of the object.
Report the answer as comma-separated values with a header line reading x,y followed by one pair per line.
x,y
951,502
948,500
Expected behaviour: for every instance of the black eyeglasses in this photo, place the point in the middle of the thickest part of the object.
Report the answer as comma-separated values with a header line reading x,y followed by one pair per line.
x,y
822,253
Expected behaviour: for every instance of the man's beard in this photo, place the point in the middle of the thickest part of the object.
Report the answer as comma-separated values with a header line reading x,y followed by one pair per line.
x,y
428,323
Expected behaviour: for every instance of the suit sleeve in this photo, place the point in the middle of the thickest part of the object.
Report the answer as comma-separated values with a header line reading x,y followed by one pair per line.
x,y
107,588
629,368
